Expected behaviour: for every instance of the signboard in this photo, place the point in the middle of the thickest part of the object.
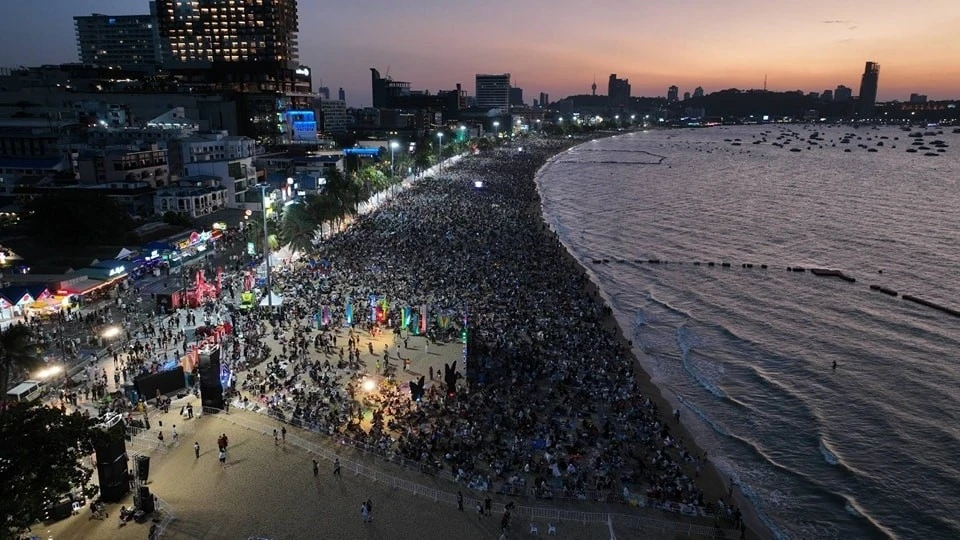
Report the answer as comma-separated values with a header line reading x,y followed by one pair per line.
x,y
116,271
251,250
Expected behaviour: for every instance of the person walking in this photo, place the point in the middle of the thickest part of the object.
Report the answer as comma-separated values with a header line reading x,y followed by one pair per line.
x,y
479,511
460,501
196,450
336,467
364,512
223,457
160,439
369,504
316,468
283,433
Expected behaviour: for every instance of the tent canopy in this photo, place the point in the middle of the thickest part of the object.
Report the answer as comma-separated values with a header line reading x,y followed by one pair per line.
x,y
273,298
124,253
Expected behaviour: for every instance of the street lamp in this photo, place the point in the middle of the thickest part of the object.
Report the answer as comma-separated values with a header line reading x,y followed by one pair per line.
x,y
266,241
463,133
393,148
440,154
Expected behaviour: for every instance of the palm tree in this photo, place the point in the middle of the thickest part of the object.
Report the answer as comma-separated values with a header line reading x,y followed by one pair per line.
x,y
253,229
17,352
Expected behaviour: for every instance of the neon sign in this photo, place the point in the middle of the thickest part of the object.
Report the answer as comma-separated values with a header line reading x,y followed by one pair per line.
x,y
115,271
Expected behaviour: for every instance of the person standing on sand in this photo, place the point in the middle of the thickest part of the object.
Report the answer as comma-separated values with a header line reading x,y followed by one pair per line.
x,y
196,450
459,501
223,457
316,468
364,512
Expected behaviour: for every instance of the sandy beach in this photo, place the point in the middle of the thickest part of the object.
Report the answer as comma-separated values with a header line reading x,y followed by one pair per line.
x,y
268,490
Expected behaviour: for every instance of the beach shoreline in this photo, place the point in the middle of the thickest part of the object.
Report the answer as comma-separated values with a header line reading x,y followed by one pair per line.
x,y
710,481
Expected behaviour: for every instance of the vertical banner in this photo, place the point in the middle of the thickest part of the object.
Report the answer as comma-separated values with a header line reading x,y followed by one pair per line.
x,y
325,315
405,321
349,311
423,319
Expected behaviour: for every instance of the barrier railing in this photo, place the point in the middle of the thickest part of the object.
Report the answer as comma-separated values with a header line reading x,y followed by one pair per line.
x,y
168,516
436,495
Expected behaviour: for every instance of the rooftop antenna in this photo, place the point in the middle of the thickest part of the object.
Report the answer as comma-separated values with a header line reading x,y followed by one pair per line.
x,y
764,82
594,86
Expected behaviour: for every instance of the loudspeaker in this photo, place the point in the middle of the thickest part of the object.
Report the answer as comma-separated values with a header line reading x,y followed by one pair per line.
x,y
144,500
211,390
112,462
142,464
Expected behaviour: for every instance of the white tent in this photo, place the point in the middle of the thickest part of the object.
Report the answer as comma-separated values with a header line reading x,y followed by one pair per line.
x,y
124,253
274,298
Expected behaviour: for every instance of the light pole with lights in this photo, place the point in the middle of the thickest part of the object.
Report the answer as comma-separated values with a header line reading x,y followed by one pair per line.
x,y
440,154
496,129
393,148
266,241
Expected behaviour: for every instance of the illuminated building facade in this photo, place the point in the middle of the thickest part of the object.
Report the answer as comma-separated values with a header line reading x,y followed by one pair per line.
x,y
209,31
129,42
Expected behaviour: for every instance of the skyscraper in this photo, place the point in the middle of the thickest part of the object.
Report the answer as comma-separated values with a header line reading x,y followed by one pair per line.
x,y
673,93
342,95
202,32
544,99
125,41
493,91
827,95
868,88
698,92
618,91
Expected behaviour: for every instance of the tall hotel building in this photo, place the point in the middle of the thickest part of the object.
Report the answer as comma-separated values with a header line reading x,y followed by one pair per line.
x,y
126,41
869,83
244,47
493,91
198,32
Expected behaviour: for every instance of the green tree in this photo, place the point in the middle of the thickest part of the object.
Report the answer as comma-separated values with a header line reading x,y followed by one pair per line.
x,y
299,226
77,218
41,459
17,353
373,181
253,230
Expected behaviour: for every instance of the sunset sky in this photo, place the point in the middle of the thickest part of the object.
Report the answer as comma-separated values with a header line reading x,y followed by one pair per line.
x,y
557,46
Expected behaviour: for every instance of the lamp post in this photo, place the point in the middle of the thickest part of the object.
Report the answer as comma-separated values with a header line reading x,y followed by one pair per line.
x,y
496,129
463,134
440,154
266,242
393,148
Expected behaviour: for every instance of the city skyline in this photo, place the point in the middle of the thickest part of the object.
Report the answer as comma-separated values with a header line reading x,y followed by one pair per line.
x,y
809,47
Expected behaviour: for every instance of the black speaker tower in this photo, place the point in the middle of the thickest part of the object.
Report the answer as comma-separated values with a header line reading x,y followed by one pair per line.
x,y
211,390
112,460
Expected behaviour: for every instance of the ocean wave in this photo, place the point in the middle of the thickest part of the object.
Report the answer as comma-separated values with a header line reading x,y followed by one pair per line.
x,y
707,375
828,455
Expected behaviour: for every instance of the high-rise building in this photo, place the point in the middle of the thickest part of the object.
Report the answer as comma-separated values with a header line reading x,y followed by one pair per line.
x,y
342,95
334,115
918,98
698,92
544,99
868,87
686,96
827,95
493,91
842,93
199,32
673,93
126,41
516,96
618,91
324,92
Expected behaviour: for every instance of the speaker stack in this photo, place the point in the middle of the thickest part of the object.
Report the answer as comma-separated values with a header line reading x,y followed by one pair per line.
x,y
211,389
142,467
112,460
144,500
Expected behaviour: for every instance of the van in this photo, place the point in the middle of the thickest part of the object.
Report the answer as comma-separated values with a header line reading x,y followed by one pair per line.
x,y
26,391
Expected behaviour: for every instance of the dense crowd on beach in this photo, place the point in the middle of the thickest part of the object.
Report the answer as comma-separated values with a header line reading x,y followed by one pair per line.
x,y
552,406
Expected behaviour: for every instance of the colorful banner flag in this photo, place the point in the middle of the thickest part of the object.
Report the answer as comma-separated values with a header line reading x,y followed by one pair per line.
x,y
349,311
325,315
423,319
405,321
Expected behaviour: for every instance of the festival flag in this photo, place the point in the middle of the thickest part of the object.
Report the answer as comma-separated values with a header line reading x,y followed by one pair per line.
x,y
325,315
423,319
405,321
349,311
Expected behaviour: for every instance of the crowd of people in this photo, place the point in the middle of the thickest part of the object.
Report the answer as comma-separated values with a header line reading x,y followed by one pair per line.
x,y
549,404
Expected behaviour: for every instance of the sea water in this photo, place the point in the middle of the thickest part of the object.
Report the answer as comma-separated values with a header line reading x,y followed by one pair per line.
x,y
868,450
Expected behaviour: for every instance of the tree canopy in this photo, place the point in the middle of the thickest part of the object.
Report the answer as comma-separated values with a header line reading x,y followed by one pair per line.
x,y
17,353
41,459
77,218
